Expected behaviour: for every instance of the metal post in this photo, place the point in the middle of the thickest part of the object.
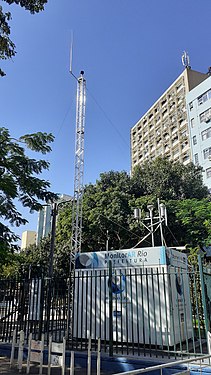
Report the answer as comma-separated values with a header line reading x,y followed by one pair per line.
x,y
72,365
50,270
150,207
204,302
110,311
98,356
89,357
20,351
107,239
53,235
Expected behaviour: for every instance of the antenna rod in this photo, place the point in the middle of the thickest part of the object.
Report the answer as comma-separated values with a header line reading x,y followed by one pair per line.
x,y
71,53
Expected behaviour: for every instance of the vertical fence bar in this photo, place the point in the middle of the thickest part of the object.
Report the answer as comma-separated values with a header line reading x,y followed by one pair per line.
x,y
89,357
116,307
143,312
171,302
121,319
159,304
137,313
191,308
154,310
98,356
72,363
95,304
165,306
148,311
91,304
204,300
105,309
132,314
184,309
110,311
82,308
178,309
126,308
197,311
100,307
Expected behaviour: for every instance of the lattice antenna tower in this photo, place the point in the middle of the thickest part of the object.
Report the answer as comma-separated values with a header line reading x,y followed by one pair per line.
x,y
79,163
78,185
79,166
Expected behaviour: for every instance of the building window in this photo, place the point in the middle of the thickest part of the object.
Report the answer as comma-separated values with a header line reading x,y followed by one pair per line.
x,y
192,121
196,159
208,173
194,140
205,116
206,134
207,153
204,97
191,105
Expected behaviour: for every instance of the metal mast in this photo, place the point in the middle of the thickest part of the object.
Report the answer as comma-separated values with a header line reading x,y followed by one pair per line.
x,y
78,190
79,167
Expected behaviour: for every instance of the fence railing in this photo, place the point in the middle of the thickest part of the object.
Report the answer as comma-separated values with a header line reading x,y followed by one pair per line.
x,y
187,362
147,311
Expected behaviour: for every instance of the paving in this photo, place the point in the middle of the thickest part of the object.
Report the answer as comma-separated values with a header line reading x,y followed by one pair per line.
x,y
5,369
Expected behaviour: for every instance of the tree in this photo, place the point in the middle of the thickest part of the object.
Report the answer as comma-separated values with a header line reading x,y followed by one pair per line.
x,y
7,47
108,205
106,213
194,219
19,181
167,180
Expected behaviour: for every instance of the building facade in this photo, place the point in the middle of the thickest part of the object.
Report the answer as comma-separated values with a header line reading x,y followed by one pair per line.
x,y
199,116
44,223
163,130
45,218
28,238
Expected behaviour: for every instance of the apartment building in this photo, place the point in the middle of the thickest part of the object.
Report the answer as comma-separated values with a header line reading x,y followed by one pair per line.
x,y
28,238
199,119
45,217
163,129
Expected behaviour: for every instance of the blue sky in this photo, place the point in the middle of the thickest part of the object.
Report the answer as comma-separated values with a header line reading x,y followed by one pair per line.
x,y
130,51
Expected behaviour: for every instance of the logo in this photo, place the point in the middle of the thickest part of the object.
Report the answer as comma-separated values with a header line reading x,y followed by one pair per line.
x,y
86,261
118,283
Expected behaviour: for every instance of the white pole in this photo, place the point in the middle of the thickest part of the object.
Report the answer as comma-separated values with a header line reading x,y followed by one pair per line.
x,y
63,356
41,353
49,355
29,354
13,348
72,364
98,356
89,358
20,351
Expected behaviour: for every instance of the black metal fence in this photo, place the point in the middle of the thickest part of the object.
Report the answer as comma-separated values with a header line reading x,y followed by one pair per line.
x,y
146,311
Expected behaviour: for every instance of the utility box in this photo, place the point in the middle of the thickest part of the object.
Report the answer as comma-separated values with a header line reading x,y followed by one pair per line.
x,y
150,296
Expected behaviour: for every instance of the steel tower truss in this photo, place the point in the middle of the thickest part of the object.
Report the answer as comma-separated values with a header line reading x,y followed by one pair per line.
x,y
79,166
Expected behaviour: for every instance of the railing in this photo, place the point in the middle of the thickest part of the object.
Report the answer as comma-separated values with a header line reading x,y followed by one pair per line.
x,y
170,364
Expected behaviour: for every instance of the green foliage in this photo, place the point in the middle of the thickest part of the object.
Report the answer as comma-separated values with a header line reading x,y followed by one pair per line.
x,y
167,180
108,207
35,259
19,180
7,47
105,208
194,219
